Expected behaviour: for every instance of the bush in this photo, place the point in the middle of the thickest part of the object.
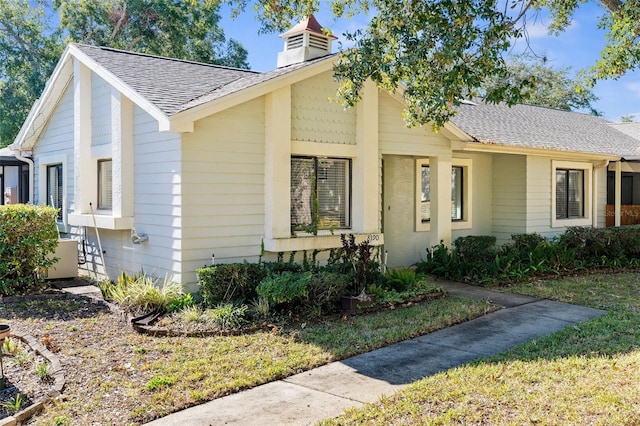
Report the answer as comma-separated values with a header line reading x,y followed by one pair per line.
x,y
229,282
140,293
284,288
325,289
28,238
400,279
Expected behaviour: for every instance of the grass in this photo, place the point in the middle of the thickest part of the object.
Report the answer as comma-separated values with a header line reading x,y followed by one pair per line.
x,y
116,376
585,374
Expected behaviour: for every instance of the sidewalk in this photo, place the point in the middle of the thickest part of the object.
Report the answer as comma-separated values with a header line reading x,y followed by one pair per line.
x,y
328,390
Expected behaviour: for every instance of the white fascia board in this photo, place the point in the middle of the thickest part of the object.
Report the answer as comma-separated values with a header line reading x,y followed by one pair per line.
x,y
185,119
121,86
43,107
557,154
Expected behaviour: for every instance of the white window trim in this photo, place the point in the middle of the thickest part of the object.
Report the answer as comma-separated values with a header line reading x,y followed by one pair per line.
x,y
52,160
588,181
467,195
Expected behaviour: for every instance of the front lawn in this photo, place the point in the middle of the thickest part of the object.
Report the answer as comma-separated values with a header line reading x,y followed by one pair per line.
x,y
117,376
586,374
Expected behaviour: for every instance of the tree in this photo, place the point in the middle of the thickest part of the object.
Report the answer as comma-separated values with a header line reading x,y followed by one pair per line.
x,y
627,118
29,49
30,45
544,85
438,52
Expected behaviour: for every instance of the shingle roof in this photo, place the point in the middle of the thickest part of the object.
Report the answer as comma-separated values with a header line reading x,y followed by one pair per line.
x,y
631,129
175,85
529,126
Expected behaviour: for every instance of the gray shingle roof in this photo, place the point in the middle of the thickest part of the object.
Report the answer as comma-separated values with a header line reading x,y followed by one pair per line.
x,y
175,85
529,126
631,129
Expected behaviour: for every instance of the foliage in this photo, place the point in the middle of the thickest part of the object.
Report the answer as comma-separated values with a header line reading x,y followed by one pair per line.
x,y
400,279
286,287
28,238
14,404
184,301
228,316
158,383
550,87
142,294
356,259
530,255
460,44
229,282
42,371
31,42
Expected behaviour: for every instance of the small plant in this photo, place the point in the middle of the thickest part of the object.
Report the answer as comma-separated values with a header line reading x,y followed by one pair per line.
x,y
400,279
14,404
141,293
191,313
61,421
22,357
159,382
181,303
42,371
140,351
261,307
284,288
11,346
227,316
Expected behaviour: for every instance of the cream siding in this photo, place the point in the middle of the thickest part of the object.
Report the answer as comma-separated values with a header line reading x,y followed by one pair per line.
x,y
509,196
223,197
538,196
316,119
396,138
601,197
482,192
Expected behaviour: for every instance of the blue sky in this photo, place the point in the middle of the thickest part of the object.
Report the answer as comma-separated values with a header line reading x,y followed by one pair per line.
x,y
578,47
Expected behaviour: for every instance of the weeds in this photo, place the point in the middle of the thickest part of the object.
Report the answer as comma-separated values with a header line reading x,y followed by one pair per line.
x,y
14,404
42,371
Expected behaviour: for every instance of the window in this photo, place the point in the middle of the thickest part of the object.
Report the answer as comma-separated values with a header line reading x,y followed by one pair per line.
x,y
456,193
104,185
320,193
55,188
569,194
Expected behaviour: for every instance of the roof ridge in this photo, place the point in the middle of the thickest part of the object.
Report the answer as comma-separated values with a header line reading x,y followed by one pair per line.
x,y
167,58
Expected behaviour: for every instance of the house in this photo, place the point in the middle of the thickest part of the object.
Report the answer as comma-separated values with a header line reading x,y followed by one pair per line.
x,y
14,178
629,184
163,162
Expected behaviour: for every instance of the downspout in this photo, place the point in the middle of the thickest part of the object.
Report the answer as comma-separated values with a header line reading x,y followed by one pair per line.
x,y
29,162
594,192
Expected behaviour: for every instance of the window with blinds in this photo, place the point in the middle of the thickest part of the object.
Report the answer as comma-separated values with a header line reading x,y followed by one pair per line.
x,y
104,185
456,193
55,188
569,193
320,193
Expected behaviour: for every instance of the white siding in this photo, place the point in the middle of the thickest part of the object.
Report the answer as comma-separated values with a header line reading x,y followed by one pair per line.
x,y
56,140
223,197
509,196
314,118
100,111
397,138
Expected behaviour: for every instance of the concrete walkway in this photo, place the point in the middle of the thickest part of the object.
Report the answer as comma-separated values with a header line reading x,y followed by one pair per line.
x,y
328,390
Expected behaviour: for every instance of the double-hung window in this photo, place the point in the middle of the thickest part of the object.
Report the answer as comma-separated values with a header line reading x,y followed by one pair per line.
x,y
570,200
55,188
456,193
105,198
320,193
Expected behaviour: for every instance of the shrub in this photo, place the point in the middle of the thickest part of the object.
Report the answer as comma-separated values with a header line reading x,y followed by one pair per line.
x,y
141,294
325,289
228,316
400,279
28,238
229,282
284,288
475,248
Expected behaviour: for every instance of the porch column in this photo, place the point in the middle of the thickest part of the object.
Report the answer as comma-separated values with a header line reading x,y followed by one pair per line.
x,y
366,166
277,171
84,181
440,169
121,154
618,192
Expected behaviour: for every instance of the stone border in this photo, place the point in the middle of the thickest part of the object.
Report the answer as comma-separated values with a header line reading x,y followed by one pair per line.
x,y
57,374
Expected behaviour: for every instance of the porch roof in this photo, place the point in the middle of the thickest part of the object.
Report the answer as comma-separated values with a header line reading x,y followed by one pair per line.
x,y
528,126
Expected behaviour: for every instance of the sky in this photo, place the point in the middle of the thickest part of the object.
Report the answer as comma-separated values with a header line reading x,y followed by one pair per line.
x,y
576,48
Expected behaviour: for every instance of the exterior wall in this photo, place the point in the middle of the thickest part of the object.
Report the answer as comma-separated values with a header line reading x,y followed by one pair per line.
x,y
223,180
481,197
538,193
100,111
56,143
509,196
314,118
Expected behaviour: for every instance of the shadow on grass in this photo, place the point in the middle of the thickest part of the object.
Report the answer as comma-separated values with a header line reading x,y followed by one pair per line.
x,y
53,306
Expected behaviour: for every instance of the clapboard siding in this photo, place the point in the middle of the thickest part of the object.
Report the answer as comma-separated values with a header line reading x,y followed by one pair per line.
x,y
223,187
100,111
314,118
56,140
397,138
509,196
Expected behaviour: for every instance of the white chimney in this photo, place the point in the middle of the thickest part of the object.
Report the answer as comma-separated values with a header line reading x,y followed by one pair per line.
x,y
304,42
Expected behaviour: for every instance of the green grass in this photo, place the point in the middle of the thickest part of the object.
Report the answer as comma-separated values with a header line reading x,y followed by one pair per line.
x,y
150,377
584,374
